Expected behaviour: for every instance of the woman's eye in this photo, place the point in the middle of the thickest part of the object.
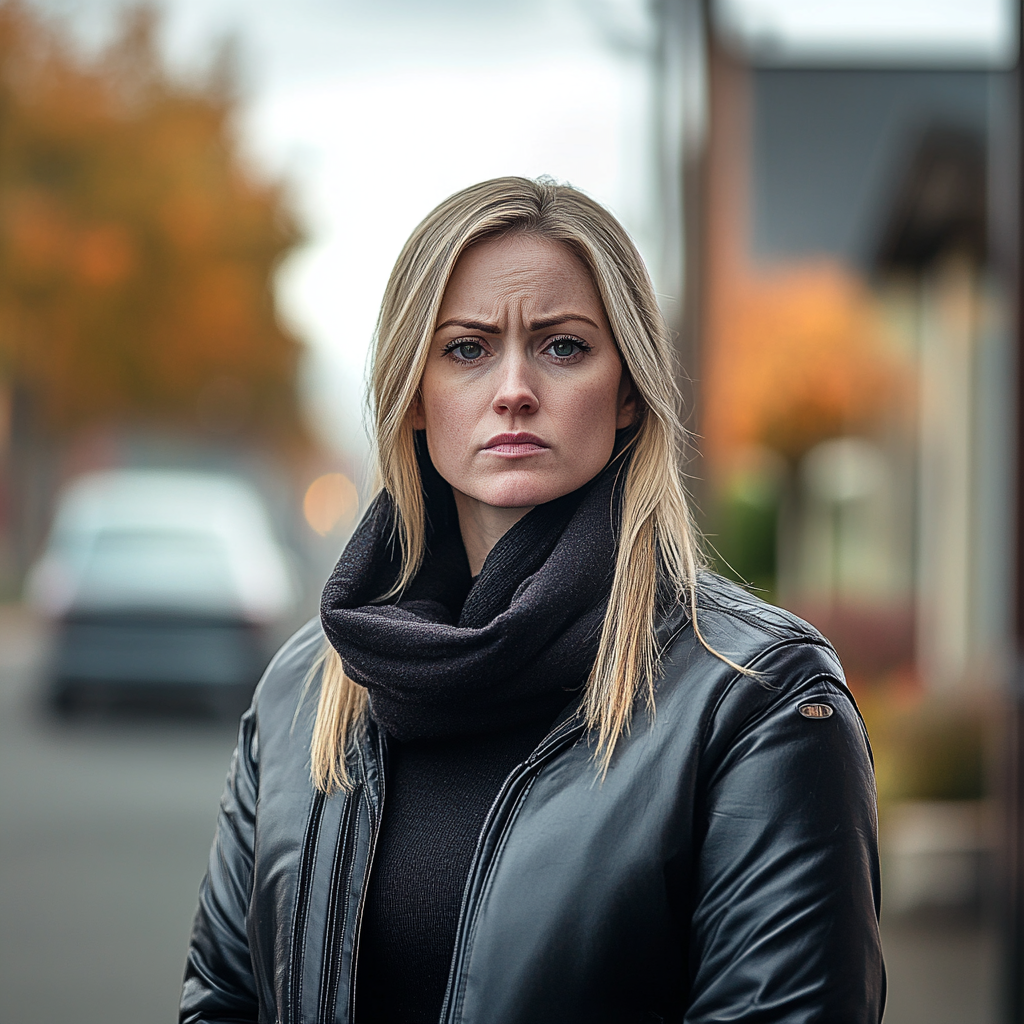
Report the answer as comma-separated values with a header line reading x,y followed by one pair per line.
x,y
565,348
468,350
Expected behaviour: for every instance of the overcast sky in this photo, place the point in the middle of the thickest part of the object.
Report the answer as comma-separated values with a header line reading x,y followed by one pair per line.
x,y
952,32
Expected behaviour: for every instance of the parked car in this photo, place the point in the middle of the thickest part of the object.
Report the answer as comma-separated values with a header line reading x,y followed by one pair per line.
x,y
160,583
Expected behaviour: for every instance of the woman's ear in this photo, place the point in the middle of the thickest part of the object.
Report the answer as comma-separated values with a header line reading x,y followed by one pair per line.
x,y
627,402
419,416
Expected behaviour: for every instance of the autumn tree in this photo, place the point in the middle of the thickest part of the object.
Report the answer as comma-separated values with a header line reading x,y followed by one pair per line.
x,y
137,247
799,353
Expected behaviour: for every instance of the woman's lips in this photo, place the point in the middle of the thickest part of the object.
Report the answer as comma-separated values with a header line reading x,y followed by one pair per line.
x,y
516,449
515,445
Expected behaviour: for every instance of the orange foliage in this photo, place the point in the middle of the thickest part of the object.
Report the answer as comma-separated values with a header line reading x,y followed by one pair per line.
x,y
795,355
136,248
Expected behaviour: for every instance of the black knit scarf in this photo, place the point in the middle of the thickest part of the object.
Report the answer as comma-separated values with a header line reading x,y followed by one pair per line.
x,y
453,655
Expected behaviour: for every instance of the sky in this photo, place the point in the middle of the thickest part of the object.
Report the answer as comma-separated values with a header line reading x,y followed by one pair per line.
x,y
951,32
374,112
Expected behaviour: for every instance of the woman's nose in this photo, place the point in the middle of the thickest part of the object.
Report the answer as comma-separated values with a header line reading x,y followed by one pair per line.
x,y
515,393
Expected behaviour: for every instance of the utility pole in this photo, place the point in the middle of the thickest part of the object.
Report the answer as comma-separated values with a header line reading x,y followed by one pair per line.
x,y
680,135
1013,838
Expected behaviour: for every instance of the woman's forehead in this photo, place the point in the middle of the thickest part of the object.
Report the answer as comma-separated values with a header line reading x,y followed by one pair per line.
x,y
528,270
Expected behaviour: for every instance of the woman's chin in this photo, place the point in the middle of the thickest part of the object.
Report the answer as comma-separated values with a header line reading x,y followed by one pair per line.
x,y
527,493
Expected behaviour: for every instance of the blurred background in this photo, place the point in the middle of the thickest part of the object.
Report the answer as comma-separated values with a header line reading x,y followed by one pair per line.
x,y
200,203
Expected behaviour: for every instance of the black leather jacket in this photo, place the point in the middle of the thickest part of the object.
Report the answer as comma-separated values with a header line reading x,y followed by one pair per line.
x,y
724,870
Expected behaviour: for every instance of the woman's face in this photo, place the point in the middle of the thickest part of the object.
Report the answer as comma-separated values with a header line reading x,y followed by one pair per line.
x,y
523,388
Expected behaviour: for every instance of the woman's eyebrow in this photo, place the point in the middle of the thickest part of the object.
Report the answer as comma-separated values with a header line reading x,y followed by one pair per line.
x,y
470,325
535,325
560,318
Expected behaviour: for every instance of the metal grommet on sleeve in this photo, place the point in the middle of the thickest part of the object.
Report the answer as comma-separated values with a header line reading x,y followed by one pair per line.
x,y
815,710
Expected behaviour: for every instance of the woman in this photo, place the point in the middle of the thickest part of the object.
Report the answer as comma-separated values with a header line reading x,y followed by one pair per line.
x,y
546,768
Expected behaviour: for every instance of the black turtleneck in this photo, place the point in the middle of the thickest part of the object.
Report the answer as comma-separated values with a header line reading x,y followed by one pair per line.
x,y
437,795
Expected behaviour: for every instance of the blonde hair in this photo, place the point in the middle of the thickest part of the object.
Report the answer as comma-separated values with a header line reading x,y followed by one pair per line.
x,y
658,555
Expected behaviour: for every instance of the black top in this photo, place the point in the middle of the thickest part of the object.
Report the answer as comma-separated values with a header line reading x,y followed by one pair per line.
x,y
437,795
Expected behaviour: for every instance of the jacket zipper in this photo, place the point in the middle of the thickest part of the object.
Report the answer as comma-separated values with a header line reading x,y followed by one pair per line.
x,y
337,910
555,741
309,845
375,820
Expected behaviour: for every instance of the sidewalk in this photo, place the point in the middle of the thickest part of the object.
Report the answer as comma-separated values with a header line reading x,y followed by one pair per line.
x,y
942,970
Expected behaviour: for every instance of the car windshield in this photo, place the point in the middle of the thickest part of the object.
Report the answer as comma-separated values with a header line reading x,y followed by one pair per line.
x,y
143,567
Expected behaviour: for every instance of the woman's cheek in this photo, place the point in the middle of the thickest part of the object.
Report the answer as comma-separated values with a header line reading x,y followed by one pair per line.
x,y
590,413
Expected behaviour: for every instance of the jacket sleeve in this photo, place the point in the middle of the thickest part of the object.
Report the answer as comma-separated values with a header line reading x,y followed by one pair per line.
x,y
786,897
219,984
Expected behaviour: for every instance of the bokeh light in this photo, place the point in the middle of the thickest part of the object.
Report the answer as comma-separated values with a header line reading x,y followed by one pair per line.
x,y
331,503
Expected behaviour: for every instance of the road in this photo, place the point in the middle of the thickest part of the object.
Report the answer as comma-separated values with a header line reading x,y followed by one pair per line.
x,y
105,825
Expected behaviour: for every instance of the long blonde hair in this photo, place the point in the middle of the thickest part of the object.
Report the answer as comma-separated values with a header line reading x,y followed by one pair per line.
x,y
658,555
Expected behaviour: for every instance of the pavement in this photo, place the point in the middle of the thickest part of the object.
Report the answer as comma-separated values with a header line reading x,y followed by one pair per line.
x,y
941,970
105,826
